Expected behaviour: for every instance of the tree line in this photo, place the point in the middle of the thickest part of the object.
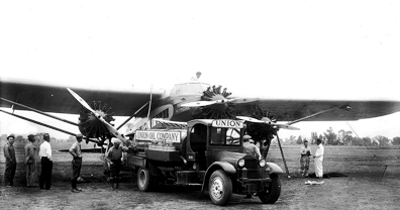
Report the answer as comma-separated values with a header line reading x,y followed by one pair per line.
x,y
343,137
24,139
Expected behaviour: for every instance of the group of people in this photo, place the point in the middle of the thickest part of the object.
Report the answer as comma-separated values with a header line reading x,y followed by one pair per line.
x,y
305,152
45,155
113,158
11,162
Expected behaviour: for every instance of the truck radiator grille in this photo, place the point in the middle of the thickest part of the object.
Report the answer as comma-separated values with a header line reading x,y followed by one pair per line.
x,y
251,163
253,174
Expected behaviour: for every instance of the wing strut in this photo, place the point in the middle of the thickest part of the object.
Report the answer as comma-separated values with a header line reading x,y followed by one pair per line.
x,y
151,100
12,107
283,157
40,112
127,120
345,107
45,125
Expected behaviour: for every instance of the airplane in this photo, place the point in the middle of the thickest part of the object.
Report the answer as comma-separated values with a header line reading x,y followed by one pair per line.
x,y
186,101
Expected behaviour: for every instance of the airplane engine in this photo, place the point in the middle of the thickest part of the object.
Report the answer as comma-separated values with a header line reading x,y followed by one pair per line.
x,y
262,131
223,110
90,126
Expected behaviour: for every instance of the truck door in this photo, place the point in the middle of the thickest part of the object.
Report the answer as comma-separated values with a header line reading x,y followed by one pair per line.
x,y
222,139
198,144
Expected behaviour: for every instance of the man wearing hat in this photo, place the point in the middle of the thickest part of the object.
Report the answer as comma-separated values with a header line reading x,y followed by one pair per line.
x,y
305,152
11,163
46,160
76,153
114,156
30,162
250,148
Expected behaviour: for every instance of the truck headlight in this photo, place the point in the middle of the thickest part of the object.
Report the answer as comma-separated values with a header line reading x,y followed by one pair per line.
x,y
262,163
241,163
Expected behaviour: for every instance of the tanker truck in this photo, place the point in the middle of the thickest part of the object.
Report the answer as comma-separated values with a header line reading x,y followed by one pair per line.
x,y
208,153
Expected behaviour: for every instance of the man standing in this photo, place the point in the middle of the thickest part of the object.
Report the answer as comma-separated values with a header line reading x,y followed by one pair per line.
x,y
305,152
45,155
30,162
318,158
250,148
114,159
11,163
76,153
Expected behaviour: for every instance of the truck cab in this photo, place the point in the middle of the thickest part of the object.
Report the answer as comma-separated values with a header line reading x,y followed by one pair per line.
x,y
208,153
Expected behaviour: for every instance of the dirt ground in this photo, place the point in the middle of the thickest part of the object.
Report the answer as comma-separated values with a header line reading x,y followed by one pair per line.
x,y
353,192
364,188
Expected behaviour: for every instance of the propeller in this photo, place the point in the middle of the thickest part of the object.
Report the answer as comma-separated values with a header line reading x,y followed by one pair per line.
x,y
81,101
266,120
198,103
243,100
98,116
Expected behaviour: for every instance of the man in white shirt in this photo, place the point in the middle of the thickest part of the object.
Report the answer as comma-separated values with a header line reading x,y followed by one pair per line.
x,y
305,152
46,161
318,158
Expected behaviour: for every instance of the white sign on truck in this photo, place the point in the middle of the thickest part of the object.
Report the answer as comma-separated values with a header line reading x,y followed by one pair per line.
x,y
227,123
167,136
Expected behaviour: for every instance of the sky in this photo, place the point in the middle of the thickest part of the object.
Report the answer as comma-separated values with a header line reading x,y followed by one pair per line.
x,y
280,49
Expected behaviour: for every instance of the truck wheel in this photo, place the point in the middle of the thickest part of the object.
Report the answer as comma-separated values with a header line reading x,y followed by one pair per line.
x,y
144,179
274,191
220,187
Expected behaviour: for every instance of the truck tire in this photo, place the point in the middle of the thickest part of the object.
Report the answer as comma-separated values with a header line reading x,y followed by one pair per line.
x,y
220,187
144,179
274,191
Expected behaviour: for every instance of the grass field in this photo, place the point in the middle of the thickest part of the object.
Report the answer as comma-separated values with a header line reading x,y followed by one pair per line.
x,y
343,159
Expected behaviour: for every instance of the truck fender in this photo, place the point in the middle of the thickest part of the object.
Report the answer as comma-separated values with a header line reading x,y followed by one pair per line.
x,y
227,167
274,169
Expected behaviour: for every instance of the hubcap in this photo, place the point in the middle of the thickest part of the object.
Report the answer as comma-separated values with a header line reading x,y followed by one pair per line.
x,y
217,188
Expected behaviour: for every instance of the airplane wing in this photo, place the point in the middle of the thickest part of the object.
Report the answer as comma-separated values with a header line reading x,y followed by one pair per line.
x,y
289,110
53,97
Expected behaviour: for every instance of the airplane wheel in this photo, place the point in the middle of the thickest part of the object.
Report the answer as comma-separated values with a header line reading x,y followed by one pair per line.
x,y
273,192
144,179
220,187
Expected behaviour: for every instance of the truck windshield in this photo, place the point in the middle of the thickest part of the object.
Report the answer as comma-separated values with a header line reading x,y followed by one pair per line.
x,y
225,136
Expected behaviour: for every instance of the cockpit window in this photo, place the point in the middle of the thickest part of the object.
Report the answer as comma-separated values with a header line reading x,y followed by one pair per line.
x,y
176,90
185,88
195,88
205,86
